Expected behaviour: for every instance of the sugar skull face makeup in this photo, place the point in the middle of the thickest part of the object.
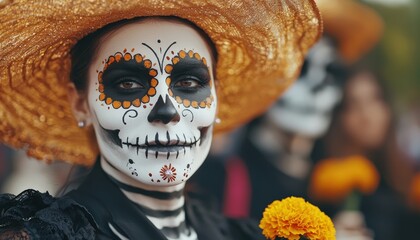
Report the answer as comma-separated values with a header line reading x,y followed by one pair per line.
x,y
152,100
306,107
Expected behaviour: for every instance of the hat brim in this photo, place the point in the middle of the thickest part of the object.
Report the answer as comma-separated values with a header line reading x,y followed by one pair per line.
x,y
356,27
260,46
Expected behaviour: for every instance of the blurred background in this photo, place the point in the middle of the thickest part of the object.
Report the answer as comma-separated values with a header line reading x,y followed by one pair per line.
x,y
397,58
346,137
397,54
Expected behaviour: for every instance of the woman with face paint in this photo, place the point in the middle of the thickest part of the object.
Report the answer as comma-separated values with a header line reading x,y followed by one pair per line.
x,y
137,86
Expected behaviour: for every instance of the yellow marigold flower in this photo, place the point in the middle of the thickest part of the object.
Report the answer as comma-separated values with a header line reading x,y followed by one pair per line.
x,y
333,180
293,218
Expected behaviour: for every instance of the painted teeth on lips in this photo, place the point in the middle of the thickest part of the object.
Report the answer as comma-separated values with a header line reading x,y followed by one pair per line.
x,y
163,145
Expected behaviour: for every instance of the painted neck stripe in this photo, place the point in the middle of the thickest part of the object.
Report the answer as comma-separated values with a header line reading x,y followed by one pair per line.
x,y
175,232
153,194
168,221
159,213
154,203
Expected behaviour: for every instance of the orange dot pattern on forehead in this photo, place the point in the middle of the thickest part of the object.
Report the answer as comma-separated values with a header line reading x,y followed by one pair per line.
x,y
117,57
147,63
175,60
127,57
154,82
136,103
126,104
151,92
168,69
153,72
186,102
138,58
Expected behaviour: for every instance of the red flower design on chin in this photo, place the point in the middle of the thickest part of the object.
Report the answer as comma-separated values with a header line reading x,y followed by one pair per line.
x,y
168,173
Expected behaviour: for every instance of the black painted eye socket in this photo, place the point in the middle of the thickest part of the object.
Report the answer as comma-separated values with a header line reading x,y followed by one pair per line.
x,y
127,81
189,84
130,84
189,81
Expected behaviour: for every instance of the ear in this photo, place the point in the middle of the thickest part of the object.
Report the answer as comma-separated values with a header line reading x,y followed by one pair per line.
x,y
79,103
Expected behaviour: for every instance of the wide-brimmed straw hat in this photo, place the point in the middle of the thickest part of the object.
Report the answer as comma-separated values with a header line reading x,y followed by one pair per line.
x,y
354,26
260,46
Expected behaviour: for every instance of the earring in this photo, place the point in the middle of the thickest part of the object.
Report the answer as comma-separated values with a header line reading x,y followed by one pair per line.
x,y
217,121
81,124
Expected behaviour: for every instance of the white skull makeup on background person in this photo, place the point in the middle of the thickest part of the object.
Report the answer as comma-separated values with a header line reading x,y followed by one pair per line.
x,y
303,113
152,100
306,107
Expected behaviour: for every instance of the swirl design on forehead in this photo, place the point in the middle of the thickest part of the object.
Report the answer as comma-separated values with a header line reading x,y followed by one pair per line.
x,y
160,61
191,68
122,69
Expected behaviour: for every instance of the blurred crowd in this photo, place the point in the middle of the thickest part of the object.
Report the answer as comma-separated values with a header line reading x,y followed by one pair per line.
x,y
336,138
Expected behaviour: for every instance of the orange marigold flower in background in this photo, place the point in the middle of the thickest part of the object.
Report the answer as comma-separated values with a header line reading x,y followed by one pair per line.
x,y
415,191
293,218
333,180
366,176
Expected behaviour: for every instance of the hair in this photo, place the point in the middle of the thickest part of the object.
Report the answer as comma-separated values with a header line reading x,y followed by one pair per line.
x,y
394,166
84,51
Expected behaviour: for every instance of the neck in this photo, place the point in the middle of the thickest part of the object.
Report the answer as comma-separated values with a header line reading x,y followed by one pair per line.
x,y
154,197
162,205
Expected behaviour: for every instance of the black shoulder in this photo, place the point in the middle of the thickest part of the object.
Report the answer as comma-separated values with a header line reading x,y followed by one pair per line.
x,y
245,229
212,225
35,215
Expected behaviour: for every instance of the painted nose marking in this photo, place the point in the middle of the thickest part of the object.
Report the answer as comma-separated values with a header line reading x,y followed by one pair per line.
x,y
164,112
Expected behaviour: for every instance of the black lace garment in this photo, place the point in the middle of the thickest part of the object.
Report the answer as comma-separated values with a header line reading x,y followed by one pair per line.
x,y
35,215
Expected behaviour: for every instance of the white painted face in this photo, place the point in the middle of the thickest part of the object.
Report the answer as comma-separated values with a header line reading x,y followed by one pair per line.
x,y
153,101
305,108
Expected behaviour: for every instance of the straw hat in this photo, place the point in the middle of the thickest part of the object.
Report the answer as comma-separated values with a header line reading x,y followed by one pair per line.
x,y
260,45
355,27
